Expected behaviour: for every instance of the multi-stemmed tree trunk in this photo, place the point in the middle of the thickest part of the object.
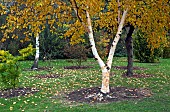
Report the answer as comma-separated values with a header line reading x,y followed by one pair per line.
x,y
35,64
129,47
136,17
105,67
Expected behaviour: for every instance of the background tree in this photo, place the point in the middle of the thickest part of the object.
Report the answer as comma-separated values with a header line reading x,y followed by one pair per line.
x,y
141,14
129,48
152,17
31,16
143,53
153,22
52,44
166,50
2,19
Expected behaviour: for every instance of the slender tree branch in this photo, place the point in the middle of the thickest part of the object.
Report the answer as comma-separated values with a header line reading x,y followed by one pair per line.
x,y
75,7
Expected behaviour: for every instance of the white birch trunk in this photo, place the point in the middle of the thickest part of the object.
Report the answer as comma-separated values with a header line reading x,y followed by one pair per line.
x,y
116,39
118,1
106,75
92,43
37,55
35,65
104,68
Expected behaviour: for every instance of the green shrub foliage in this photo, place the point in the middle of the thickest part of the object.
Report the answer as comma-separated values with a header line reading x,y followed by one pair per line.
x,y
166,52
9,67
142,52
52,43
121,49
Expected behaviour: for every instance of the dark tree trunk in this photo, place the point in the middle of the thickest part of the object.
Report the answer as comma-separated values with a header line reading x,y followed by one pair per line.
x,y
1,46
35,64
129,47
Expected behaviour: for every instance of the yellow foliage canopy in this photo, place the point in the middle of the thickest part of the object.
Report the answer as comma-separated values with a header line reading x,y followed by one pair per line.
x,y
150,16
30,17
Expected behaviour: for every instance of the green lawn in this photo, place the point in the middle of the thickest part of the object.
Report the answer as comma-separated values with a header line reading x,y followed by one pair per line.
x,y
50,98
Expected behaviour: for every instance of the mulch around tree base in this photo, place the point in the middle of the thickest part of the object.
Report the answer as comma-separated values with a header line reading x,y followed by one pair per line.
x,y
135,75
39,68
125,67
93,95
44,68
47,76
77,67
15,92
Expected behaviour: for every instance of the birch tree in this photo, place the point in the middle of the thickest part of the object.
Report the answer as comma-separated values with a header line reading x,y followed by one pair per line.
x,y
136,13
152,17
30,17
157,16
83,9
37,54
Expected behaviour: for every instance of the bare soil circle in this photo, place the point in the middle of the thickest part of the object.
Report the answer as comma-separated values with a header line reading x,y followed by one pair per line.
x,y
77,67
47,76
93,94
15,92
137,75
125,67
39,68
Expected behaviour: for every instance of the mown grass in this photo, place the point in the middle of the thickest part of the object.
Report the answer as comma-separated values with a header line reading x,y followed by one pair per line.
x,y
50,98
